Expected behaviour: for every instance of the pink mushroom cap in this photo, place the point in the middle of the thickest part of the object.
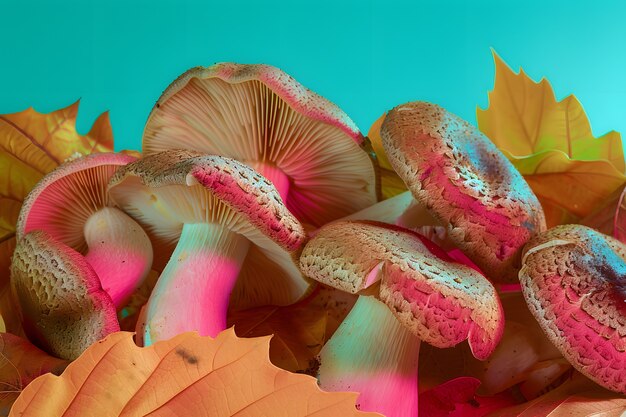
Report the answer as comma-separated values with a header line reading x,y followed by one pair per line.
x,y
320,163
574,281
467,184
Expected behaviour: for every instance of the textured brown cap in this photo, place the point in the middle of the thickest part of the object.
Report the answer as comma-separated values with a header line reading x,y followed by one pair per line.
x,y
63,305
440,301
466,182
574,281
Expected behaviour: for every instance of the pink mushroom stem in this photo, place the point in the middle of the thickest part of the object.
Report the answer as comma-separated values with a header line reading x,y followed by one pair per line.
x,y
193,291
119,251
374,354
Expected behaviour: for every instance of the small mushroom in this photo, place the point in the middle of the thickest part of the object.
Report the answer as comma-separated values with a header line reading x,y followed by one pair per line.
x,y
574,281
467,184
321,165
230,226
62,303
419,294
72,204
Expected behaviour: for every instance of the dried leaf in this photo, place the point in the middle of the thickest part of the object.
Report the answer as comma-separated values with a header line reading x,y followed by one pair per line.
x,y
300,330
457,398
186,375
391,183
610,218
31,145
578,397
552,145
20,363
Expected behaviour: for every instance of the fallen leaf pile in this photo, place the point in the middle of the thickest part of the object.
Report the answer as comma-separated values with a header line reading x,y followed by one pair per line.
x,y
261,218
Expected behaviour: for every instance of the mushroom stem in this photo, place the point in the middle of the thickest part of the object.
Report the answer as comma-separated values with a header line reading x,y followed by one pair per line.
x,y
275,175
372,353
193,290
119,251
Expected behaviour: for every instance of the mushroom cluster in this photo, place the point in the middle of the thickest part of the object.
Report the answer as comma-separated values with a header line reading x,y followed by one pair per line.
x,y
253,190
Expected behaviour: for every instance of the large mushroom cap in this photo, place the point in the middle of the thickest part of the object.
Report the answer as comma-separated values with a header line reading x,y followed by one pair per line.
x,y
440,301
261,116
63,305
574,281
172,188
468,184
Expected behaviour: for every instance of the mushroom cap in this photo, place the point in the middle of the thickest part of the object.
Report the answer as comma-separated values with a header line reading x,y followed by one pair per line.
x,y
63,305
166,190
574,281
467,183
440,301
259,114
62,202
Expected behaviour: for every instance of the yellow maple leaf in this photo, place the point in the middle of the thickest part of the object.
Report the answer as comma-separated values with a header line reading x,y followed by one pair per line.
x,y
391,183
31,145
187,375
550,142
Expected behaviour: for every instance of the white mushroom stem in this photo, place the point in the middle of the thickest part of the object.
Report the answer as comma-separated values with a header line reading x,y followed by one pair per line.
x,y
193,290
119,251
372,353
275,175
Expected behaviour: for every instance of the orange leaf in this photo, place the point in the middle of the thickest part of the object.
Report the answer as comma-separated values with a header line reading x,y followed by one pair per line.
x,y
391,183
577,397
550,142
31,145
20,363
186,375
610,218
300,330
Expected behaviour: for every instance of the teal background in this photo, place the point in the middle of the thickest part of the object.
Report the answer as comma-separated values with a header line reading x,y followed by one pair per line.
x,y
366,56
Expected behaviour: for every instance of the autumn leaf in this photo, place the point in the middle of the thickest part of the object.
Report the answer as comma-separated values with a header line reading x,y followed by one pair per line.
x,y
20,363
577,397
391,183
31,145
550,142
300,330
610,218
186,375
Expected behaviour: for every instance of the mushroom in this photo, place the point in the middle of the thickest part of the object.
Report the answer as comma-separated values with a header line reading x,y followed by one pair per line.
x,y
62,303
321,165
417,293
467,184
573,279
72,205
231,226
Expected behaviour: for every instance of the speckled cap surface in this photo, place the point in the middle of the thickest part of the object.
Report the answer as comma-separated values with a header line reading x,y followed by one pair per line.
x,y
466,182
574,281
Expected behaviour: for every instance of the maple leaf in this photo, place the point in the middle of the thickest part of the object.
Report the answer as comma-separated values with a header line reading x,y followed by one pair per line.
x,y
31,145
186,375
20,363
391,183
550,142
